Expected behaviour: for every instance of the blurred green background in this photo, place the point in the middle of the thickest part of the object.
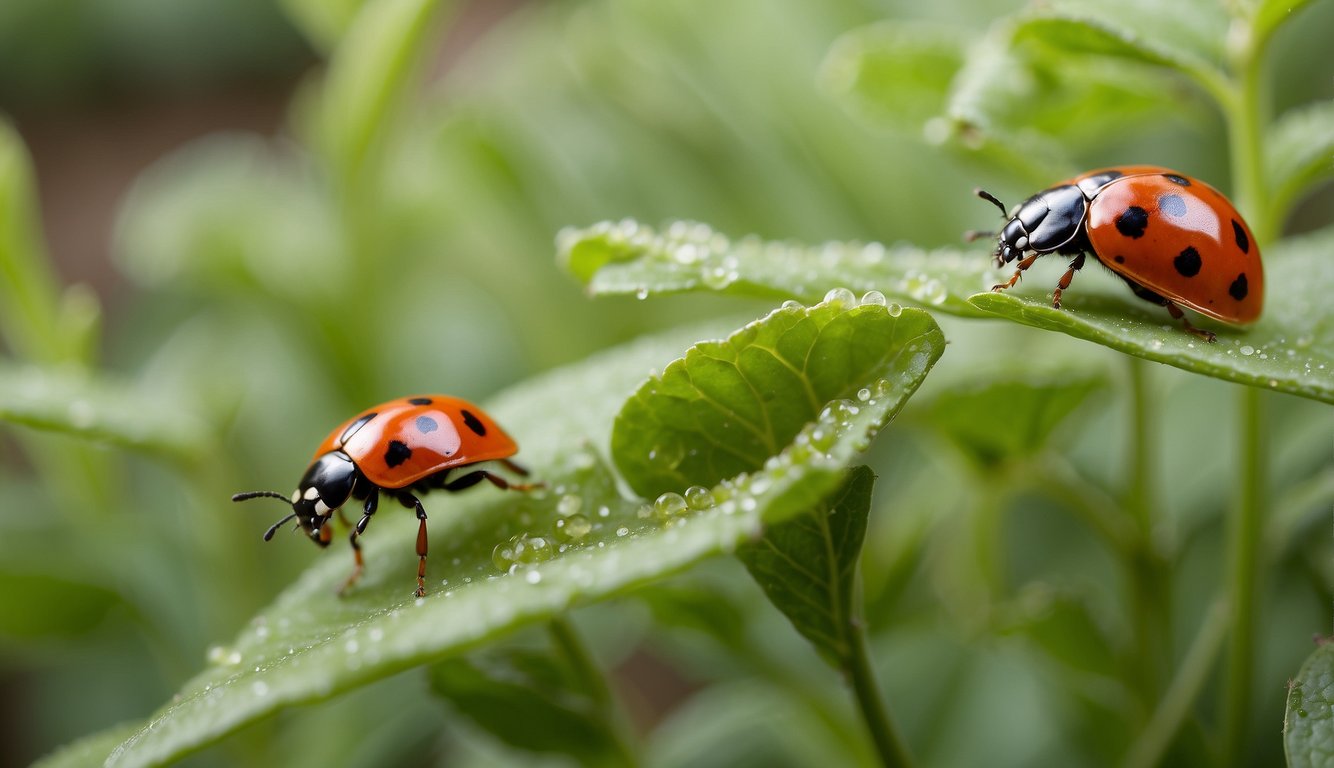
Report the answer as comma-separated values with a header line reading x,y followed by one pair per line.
x,y
259,293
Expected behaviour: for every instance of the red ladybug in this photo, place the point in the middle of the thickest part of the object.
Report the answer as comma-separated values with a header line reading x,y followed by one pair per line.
x,y
401,448
1174,239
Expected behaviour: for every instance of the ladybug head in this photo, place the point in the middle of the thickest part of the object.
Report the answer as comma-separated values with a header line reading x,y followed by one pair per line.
x,y
324,488
1013,239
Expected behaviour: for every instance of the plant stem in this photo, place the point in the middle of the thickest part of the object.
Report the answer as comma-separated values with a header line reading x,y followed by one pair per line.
x,y
870,701
1245,112
572,648
1245,536
1150,576
1191,677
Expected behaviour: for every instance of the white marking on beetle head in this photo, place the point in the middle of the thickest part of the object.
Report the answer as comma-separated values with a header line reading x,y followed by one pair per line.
x,y
296,495
322,509
311,493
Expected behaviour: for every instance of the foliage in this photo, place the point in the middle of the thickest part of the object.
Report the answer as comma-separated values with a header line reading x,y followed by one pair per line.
x,y
1048,558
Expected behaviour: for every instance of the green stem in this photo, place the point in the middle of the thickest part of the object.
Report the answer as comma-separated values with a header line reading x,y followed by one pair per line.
x,y
1150,576
1176,704
1246,118
870,701
572,648
1245,537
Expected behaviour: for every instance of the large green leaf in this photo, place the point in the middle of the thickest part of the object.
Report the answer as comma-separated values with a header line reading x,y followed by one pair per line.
x,y
502,560
806,566
1291,348
59,400
627,257
1308,726
727,406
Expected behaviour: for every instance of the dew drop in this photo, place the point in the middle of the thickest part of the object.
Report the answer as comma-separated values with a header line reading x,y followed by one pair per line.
x,y
895,310
641,293
569,505
670,505
573,528
840,297
1247,350
622,531
533,577
717,276
698,497
874,298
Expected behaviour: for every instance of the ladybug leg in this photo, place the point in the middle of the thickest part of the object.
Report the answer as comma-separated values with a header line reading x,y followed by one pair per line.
x,y
1023,264
372,501
411,502
514,467
473,478
1075,265
1177,314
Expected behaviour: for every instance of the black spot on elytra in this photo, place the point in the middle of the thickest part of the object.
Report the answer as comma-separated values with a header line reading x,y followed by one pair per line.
x,y
426,424
1180,181
420,401
474,423
353,427
1119,259
397,453
1243,242
1188,262
1172,205
1132,221
1238,289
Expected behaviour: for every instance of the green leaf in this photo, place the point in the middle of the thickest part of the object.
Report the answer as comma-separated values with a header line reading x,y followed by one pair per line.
x,y
368,74
36,321
1290,349
1299,153
895,73
59,400
619,258
806,566
1272,14
581,541
323,22
233,212
728,406
1010,414
1308,725
533,699
89,750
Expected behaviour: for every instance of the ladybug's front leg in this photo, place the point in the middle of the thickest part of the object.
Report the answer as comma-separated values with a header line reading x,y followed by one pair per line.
x,y
1075,265
372,501
1023,264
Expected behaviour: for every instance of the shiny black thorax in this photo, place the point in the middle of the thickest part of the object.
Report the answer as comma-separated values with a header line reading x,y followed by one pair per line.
x,y
1050,221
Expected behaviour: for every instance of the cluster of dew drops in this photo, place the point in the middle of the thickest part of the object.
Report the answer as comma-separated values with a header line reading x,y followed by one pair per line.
x,y
695,249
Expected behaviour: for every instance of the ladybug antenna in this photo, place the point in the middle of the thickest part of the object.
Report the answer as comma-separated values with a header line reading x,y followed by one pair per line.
x,y
990,198
267,494
274,528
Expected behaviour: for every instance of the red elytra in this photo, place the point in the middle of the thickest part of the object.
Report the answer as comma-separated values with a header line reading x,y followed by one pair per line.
x,y
1174,239
400,449
397,443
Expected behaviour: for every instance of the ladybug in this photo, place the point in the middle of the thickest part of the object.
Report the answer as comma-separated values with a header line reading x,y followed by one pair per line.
x,y
1174,239
401,449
